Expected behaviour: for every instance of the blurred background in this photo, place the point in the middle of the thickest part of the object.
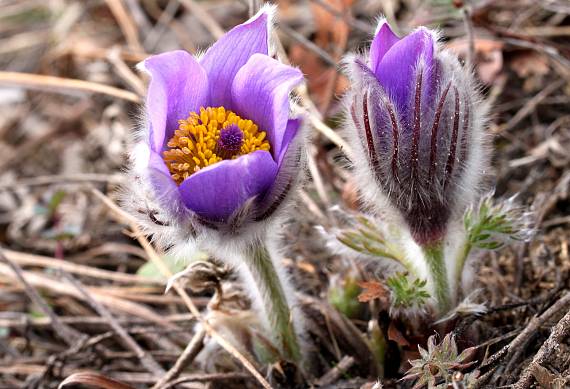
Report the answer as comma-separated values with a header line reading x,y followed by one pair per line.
x,y
71,270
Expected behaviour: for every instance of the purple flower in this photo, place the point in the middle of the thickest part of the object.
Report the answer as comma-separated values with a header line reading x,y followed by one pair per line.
x,y
221,145
415,114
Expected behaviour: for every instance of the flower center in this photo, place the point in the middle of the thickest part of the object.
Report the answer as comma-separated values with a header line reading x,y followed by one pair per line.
x,y
230,142
211,136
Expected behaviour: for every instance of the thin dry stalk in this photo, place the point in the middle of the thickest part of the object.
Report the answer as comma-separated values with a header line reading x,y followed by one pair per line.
x,y
59,288
64,85
336,372
557,336
24,259
146,359
190,352
65,332
126,23
204,17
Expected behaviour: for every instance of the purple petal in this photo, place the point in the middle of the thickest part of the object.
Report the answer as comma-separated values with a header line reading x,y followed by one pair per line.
x,y
178,86
218,190
290,165
396,71
381,43
293,126
260,92
223,60
156,162
165,189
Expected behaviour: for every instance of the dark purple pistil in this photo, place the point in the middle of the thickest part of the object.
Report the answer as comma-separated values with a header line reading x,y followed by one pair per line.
x,y
230,141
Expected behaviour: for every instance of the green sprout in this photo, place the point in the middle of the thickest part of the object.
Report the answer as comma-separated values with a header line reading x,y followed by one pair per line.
x,y
366,238
406,293
491,225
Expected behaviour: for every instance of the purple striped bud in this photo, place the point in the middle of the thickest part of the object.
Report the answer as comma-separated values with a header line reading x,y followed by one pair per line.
x,y
416,116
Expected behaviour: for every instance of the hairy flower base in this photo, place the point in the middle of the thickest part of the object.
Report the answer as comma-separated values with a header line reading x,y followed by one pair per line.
x,y
210,137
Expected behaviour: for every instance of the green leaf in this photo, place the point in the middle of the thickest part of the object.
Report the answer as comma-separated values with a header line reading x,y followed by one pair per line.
x,y
406,294
490,225
368,239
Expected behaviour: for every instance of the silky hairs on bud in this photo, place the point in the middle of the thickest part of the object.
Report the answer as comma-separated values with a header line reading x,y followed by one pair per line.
x,y
416,118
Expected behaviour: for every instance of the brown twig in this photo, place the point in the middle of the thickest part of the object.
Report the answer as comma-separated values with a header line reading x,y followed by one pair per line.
x,y
204,17
347,17
334,374
54,263
126,23
530,330
93,379
44,282
190,352
309,45
558,334
125,72
65,179
470,36
69,335
22,321
147,360
530,105
216,377
166,16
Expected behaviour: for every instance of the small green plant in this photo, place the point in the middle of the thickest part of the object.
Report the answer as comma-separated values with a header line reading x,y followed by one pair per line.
x,y
492,225
368,239
406,293
437,364
434,270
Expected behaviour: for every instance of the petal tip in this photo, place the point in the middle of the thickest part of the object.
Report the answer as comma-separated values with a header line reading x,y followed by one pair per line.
x,y
383,25
267,12
384,40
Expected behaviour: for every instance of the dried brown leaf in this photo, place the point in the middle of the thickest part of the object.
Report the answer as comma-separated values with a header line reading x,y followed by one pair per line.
x,y
93,379
372,290
395,335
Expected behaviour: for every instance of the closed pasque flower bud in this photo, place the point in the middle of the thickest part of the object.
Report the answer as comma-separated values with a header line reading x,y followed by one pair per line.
x,y
416,116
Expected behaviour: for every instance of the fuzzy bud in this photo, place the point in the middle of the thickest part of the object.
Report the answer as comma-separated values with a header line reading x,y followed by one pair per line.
x,y
416,116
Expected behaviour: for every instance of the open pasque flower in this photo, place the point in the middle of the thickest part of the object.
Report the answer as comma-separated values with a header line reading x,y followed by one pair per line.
x,y
417,117
218,158
219,138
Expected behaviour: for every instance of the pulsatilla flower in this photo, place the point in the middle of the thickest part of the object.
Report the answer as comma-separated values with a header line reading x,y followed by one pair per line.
x,y
219,141
217,159
418,121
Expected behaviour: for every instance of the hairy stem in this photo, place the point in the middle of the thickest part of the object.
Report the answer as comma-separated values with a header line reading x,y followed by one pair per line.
x,y
273,299
464,253
436,266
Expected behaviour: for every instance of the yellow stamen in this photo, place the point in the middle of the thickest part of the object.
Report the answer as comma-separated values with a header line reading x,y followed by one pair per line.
x,y
194,143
